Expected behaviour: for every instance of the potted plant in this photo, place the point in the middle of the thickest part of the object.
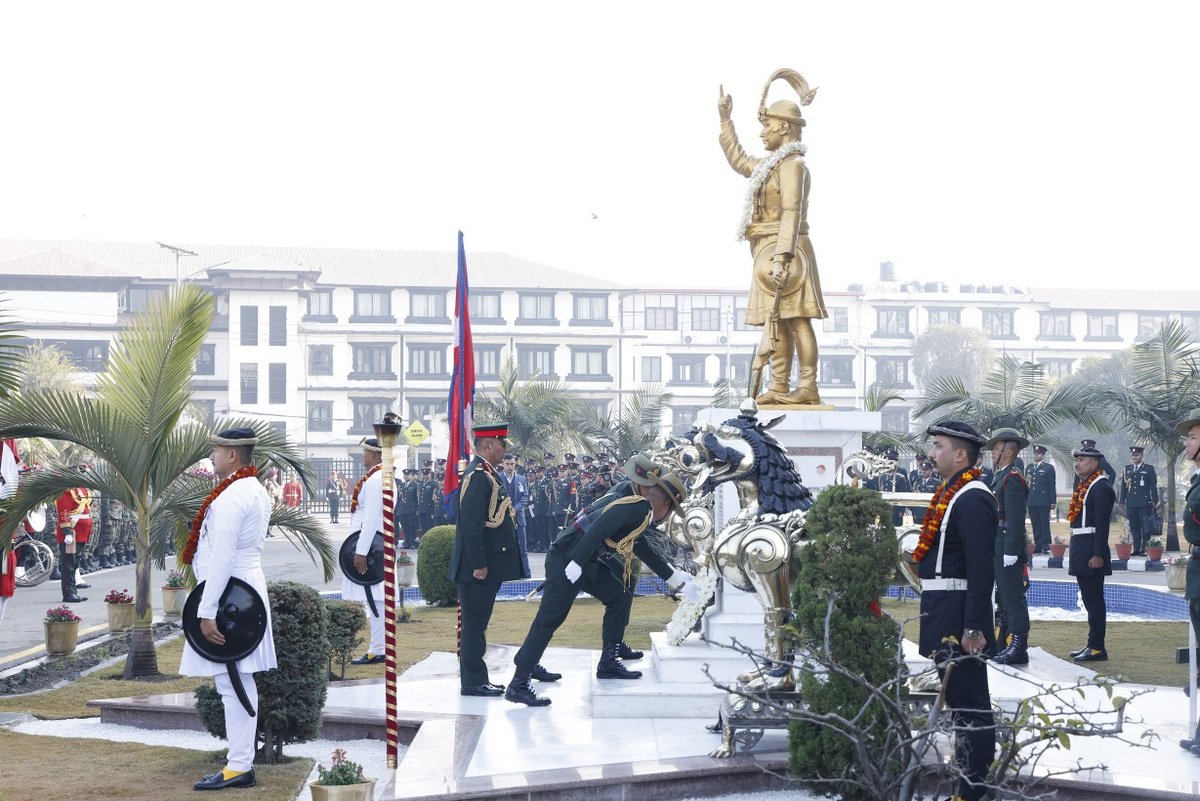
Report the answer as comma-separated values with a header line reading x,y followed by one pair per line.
x,y
120,610
406,570
342,781
174,593
1154,549
1030,545
62,630
1177,572
1058,548
1124,548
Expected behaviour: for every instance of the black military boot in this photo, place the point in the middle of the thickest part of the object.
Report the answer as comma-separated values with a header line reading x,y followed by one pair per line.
x,y
1016,653
625,652
541,674
611,667
520,691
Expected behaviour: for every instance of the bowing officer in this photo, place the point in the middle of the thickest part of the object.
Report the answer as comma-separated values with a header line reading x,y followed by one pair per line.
x,y
226,542
1089,558
366,519
1190,430
1012,493
595,554
1139,496
486,553
957,572
1043,496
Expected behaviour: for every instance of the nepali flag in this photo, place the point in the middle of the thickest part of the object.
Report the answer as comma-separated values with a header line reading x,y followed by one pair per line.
x,y
461,404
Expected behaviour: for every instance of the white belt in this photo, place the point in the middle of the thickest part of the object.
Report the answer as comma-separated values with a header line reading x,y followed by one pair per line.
x,y
1087,530
944,584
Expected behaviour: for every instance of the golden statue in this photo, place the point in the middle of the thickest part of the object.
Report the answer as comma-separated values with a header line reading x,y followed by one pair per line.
x,y
785,290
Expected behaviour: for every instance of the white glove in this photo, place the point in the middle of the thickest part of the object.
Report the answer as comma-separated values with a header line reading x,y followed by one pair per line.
x,y
573,572
1009,561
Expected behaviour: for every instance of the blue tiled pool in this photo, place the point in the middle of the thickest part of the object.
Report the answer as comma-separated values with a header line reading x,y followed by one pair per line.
x,y
1125,599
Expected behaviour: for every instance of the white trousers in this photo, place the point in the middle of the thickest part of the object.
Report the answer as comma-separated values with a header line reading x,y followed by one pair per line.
x,y
378,646
240,728
3,604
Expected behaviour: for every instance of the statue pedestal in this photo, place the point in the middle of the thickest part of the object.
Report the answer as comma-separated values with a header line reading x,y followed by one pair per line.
x,y
675,684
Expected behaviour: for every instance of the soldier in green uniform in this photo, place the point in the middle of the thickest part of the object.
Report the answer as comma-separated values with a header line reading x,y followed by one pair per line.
x,y
486,553
1012,494
1043,496
595,554
427,495
1139,496
564,498
1190,430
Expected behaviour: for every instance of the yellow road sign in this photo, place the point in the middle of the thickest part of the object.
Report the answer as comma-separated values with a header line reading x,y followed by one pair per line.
x,y
416,433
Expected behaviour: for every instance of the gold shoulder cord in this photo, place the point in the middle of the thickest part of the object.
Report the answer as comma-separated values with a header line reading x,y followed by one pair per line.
x,y
624,546
496,507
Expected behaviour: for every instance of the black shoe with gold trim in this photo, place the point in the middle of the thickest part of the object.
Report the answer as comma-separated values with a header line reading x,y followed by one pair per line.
x,y
1093,655
217,781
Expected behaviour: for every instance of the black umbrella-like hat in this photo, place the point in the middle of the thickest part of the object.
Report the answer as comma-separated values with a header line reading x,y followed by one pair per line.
x,y
241,618
374,573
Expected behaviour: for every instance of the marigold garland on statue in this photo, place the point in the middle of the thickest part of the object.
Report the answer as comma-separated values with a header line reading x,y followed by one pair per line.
x,y
937,512
358,485
193,540
1077,496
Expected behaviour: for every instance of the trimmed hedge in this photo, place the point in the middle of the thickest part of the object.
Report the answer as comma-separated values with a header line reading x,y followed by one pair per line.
x,y
290,697
433,567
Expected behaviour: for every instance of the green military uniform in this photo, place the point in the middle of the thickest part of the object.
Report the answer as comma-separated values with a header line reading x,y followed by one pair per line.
x,y
485,537
596,541
1012,492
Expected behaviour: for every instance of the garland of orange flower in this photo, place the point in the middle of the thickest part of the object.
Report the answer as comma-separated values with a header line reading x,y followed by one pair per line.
x,y
193,540
358,486
938,505
1077,496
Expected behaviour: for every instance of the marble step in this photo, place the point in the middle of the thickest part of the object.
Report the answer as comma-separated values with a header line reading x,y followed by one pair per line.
x,y
684,663
648,697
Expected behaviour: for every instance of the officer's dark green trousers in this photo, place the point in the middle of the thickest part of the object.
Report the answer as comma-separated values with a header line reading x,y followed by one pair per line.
x,y
557,598
1010,586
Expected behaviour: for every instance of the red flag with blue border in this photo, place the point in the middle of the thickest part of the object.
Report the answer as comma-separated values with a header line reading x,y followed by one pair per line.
x,y
461,404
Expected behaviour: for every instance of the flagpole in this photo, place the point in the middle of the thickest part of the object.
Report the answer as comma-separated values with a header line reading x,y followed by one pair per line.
x,y
387,432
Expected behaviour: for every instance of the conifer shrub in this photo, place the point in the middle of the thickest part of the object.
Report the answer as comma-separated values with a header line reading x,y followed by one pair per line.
x,y
850,558
346,619
290,697
433,567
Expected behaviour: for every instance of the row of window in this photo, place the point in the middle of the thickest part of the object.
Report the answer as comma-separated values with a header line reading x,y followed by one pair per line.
x,y
431,305
276,383
665,312
276,325
373,360
998,323
368,411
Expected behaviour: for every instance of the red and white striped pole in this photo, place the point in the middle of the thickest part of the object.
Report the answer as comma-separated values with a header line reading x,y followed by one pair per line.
x,y
387,433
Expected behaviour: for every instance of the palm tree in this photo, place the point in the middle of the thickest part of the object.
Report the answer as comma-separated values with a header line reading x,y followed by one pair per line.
x,y
878,396
10,356
1016,394
142,449
1160,387
634,425
539,412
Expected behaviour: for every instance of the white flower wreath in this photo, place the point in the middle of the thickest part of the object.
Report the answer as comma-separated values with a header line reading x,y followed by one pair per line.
x,y
687,613
761,171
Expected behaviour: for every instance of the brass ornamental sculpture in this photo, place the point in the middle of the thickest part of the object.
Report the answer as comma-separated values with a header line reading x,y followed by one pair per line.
x,y
785,288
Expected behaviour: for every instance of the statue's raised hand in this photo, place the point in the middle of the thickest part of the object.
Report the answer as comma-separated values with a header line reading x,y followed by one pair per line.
x,y
724,104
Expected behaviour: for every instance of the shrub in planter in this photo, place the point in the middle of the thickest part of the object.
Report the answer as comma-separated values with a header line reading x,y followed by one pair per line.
x,y
346,618
433,568
291,696
851,558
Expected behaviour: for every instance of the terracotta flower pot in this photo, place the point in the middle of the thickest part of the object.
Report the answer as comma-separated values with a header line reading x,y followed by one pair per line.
x,y
173,598
120,616
61,637
1154,554
1058,551
343,792
1124,549
1029,547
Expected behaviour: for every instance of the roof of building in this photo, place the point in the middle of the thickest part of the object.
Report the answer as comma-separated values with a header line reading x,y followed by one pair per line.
x,y
56,263
338,266
1160,300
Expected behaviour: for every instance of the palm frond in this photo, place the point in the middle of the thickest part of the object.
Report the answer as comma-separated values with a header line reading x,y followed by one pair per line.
x,y
10,357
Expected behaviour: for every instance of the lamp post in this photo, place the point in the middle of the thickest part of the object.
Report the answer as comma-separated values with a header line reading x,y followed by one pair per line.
x,y
387,432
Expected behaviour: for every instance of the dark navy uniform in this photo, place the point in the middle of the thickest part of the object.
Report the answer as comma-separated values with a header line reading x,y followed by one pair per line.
x,y
406,510
1089,537
564,501
892,481
427,494
485,537
439,502
928,483
1011,493
1043,496
963,548
1139,495
591,542
540,525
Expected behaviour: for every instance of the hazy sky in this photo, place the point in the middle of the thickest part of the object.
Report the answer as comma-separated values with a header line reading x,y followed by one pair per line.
x,y
1034,143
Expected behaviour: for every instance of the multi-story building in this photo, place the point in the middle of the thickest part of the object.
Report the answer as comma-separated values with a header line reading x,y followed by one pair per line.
x,y
320,342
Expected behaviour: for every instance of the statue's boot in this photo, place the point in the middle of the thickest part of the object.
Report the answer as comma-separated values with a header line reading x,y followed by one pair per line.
x,y
806,388
781,369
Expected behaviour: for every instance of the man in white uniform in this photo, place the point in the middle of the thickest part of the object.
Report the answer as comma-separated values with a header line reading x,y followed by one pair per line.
x,y
366,518
231,541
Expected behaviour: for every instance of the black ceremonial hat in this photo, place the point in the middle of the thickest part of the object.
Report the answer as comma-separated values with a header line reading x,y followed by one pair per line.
x,y
958,430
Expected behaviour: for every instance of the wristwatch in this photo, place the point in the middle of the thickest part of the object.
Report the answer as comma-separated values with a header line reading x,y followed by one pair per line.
x,y
974,634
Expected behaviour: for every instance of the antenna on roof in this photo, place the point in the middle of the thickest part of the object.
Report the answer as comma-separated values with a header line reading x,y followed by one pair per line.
x,y
178,252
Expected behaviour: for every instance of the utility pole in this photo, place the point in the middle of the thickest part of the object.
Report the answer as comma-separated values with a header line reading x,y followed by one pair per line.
x,y
178,252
